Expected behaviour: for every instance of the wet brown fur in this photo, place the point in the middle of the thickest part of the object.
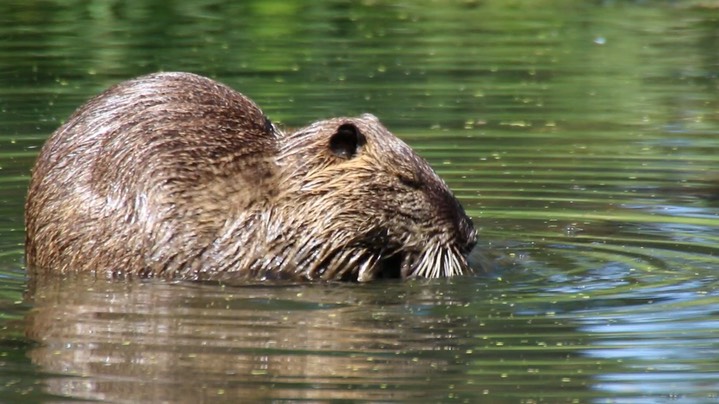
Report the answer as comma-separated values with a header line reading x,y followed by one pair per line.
x,y
175,175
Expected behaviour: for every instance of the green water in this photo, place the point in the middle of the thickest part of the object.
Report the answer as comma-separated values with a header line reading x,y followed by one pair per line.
x,y
581,136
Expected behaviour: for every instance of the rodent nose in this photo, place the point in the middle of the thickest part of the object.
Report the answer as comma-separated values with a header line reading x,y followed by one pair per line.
x,y
467,234
453,213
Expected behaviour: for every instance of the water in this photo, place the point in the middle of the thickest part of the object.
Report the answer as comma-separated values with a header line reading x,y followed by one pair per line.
x,y
581,137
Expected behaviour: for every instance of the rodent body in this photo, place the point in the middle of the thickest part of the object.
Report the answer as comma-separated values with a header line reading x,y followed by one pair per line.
x,y
176,175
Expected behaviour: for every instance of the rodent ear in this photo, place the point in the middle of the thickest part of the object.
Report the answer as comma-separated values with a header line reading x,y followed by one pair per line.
x,y
347,141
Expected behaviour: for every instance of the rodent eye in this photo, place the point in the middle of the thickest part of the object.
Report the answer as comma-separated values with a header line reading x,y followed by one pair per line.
x,y
410,181
347,141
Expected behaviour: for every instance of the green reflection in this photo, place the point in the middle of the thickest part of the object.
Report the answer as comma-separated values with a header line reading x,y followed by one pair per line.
x,y
580,135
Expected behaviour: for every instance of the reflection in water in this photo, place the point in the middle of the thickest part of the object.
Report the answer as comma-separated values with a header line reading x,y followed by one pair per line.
x,y
468,339
156,341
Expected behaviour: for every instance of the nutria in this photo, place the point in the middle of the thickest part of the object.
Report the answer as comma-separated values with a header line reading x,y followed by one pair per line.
x,y
176,175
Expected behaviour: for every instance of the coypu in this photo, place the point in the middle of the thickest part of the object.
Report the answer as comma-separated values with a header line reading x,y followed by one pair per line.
x,y
176,175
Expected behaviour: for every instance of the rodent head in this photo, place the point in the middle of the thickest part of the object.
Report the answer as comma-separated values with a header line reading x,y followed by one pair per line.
x,y
367,206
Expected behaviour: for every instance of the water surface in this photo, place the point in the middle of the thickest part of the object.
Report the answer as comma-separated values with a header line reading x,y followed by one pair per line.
x,y
580,136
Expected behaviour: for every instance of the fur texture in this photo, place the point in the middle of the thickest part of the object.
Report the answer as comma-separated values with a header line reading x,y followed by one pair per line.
x,y
175,175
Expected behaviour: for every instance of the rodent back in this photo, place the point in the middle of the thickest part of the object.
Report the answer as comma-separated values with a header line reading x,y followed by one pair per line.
x,y
167,156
